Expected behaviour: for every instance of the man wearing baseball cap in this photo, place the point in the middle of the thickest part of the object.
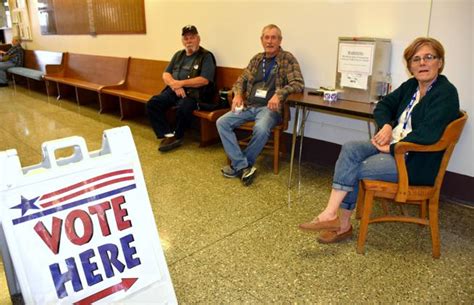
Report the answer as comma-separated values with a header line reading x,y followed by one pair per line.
x,y
189,79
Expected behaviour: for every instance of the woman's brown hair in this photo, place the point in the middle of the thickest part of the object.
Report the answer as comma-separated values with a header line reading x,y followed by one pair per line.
x,y
424,41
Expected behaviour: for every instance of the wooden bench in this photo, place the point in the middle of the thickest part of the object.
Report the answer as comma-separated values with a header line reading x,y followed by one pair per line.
x,y
5,47
89,72
34,67
144,79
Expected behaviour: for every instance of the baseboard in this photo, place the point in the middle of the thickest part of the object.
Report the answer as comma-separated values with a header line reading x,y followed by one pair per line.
x,y
455,188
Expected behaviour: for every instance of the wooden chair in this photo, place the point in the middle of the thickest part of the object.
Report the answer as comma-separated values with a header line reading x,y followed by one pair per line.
x,y
273,144
403,193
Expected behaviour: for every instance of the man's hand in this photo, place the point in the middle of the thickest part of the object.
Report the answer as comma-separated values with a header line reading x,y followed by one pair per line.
x,y
237,101
274,103
180,92
384,136
2,52
175,84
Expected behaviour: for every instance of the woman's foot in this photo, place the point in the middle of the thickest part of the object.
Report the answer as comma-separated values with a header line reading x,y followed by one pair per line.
x,y
330,237
320,223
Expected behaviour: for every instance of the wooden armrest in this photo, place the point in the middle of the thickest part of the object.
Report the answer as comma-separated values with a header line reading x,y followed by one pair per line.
x,y
120,85
404,147
54,69
401,148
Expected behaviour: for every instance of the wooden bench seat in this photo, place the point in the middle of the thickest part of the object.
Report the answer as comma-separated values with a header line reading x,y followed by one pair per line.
x,y
34,67
90,72
143,80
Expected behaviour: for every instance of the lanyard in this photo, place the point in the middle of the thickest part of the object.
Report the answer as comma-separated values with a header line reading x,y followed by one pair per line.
x,y
266,73
409,109
410,106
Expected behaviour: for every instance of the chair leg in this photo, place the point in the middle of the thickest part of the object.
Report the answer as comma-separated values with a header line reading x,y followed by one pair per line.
x,y
433,210
364,222
384,204
47,88
14,82
423,209
276,152
360,201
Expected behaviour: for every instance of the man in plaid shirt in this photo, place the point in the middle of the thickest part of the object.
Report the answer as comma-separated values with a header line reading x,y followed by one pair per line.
x,y
11,58
259,94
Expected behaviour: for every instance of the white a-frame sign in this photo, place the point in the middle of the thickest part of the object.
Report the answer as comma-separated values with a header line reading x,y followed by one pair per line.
x,y
80,230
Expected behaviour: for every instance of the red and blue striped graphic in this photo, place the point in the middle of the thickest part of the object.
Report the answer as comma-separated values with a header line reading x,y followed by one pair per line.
x,y
75,195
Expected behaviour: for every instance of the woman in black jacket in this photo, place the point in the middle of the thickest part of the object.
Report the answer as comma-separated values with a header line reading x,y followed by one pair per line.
x,y
418,112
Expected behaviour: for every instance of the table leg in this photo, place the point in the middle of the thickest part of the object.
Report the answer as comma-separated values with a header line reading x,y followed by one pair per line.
x,y
293,143
302,126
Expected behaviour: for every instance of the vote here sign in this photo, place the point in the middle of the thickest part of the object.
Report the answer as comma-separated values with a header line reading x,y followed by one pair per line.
x,y
84,236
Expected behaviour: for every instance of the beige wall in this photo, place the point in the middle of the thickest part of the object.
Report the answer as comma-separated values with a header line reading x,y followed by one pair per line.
x,y
231,30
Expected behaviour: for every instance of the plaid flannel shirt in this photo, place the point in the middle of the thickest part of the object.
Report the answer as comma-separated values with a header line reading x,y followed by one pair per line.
x,y
15,55
288,79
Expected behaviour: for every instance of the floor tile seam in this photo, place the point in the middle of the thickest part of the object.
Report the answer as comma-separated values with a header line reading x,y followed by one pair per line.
x,y
225,236
17,139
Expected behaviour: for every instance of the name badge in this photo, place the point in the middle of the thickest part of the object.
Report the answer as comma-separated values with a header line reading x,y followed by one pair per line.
x,y
261,93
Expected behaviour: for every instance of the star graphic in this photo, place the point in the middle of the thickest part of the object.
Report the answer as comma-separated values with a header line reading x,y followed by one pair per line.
x,y
26,204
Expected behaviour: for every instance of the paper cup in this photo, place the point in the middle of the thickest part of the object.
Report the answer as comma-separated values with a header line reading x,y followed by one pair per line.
x,y
330,96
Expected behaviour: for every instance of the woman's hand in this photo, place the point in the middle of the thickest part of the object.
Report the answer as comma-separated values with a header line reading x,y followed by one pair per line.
x,y
382,148
383,136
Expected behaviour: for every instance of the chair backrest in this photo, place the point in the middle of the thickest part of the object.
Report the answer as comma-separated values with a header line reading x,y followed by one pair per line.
x,y
448,141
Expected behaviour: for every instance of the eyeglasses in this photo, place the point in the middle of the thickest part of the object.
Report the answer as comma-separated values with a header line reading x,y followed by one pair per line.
x,y
427,58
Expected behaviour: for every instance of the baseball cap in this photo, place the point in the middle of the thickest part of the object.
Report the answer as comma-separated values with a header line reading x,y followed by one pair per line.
x,y
189,29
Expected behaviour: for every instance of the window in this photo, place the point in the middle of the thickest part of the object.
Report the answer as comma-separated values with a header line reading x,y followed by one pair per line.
x,y
62,17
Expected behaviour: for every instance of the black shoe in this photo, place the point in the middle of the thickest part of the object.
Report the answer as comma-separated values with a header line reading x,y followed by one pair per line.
x,y
248,175
170,143
230,172
3,84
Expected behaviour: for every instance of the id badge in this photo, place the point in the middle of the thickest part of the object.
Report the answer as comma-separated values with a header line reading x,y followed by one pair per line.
x,y
261,93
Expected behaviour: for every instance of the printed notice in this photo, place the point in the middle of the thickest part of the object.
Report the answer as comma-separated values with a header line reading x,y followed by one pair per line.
x,y
355,58
354,80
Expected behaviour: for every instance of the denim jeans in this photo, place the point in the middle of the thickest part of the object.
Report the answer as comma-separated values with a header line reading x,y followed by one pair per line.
x,y
265,119
3,71
361,160
159,104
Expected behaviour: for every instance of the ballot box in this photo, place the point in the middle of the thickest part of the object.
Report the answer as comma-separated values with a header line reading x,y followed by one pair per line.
x,y
80,229
363,68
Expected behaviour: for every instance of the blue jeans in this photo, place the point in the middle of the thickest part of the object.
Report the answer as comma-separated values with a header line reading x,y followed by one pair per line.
x,y
361,160
3,71
265,119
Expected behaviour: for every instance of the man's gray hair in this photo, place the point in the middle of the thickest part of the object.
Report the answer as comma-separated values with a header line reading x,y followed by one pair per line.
x,y
272,26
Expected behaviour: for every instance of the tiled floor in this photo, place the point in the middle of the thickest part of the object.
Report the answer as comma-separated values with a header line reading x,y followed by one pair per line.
x,y
227,244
